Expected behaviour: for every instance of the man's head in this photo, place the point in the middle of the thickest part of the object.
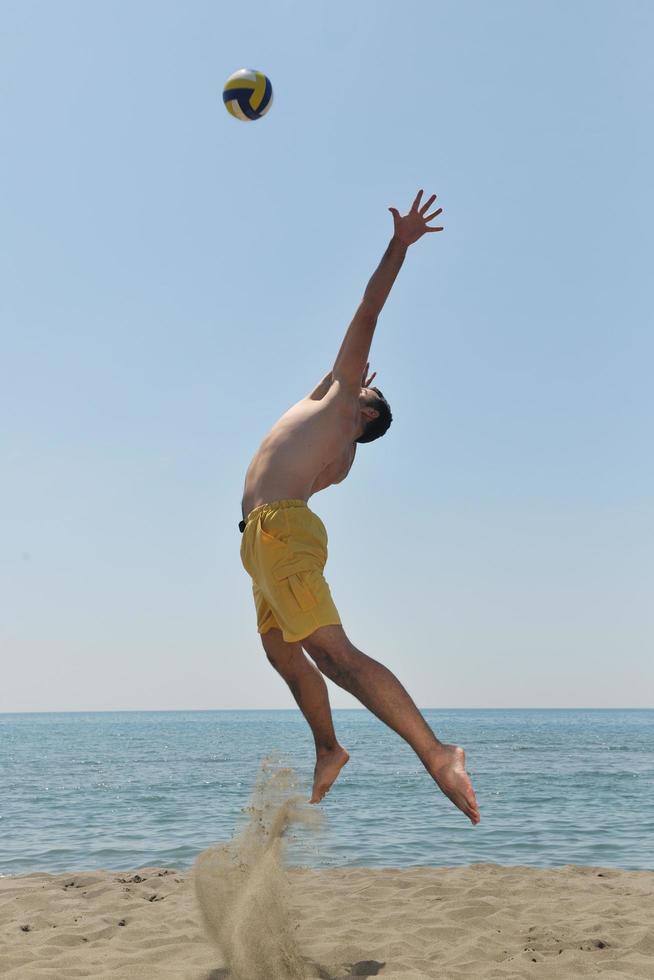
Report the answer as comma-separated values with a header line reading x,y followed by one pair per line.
x,y
375,414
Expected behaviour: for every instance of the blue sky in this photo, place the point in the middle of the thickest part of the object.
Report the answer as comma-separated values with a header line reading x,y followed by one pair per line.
x,y
173,279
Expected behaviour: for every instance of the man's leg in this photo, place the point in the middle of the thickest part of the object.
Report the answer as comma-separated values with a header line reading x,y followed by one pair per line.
x,y
310,691
381,692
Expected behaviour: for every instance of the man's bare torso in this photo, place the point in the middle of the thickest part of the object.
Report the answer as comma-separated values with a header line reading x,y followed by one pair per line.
x,y
311,447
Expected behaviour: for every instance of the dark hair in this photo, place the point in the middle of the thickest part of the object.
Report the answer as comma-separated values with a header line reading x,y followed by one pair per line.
x,y
377,427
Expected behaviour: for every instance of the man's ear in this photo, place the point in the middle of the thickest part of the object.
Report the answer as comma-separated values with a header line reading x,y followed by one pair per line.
x,y
370,413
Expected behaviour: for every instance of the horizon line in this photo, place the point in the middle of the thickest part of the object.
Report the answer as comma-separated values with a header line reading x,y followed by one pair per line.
x,y
113,711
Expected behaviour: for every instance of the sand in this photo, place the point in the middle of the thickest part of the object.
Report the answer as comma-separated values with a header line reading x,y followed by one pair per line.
x,y
242,914
473,922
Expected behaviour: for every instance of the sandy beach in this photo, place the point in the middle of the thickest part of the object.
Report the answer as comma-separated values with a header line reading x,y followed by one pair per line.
x,y
480,921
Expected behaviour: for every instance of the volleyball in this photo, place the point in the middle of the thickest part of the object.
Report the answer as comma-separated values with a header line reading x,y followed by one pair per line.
x,y
247,94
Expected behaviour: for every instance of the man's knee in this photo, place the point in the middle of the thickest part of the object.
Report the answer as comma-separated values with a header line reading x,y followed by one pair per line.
x,y
330,649
280,654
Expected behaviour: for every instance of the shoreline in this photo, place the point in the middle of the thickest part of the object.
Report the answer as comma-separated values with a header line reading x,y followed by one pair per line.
x,y
472,921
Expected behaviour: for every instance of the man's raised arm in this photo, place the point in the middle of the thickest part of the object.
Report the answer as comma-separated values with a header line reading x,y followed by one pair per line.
x,y
353,354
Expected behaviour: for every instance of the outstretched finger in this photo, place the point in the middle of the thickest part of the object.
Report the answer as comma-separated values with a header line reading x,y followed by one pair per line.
x,y
371,379
428,217
434,229
414,206
426,206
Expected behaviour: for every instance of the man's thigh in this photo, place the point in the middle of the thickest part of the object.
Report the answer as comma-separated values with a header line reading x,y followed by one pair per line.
x,y
296,600
266,621
328,641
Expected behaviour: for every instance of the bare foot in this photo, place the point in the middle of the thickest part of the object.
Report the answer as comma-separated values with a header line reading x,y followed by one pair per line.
x,y
328,766
448,768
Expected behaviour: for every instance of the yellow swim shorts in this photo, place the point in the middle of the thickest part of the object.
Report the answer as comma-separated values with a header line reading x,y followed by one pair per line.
x,y
284,550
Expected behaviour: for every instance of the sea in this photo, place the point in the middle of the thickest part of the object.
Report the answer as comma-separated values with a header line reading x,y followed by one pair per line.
x,y
125,790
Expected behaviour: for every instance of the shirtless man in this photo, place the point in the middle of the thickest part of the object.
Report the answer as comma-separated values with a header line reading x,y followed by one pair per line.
x,y
284,544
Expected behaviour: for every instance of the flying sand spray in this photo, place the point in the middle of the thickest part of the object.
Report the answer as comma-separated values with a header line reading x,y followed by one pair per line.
x,y
241,886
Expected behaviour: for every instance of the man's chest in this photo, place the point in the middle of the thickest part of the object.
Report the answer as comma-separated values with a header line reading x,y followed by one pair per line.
x,y
336,470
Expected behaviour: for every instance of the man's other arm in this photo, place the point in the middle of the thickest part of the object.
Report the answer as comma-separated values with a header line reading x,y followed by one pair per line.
x,y
322,388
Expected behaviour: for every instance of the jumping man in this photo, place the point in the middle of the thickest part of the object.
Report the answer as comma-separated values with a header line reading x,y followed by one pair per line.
x,y
284,544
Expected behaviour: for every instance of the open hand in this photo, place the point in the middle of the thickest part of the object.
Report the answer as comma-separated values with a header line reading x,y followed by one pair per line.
x,y
367,381
412,226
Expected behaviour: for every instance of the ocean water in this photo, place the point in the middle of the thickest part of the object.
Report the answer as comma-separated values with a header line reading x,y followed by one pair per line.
x,y
132,789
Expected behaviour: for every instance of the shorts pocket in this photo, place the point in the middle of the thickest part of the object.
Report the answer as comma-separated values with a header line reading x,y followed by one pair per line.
x,y
302,593
270,540
296,571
